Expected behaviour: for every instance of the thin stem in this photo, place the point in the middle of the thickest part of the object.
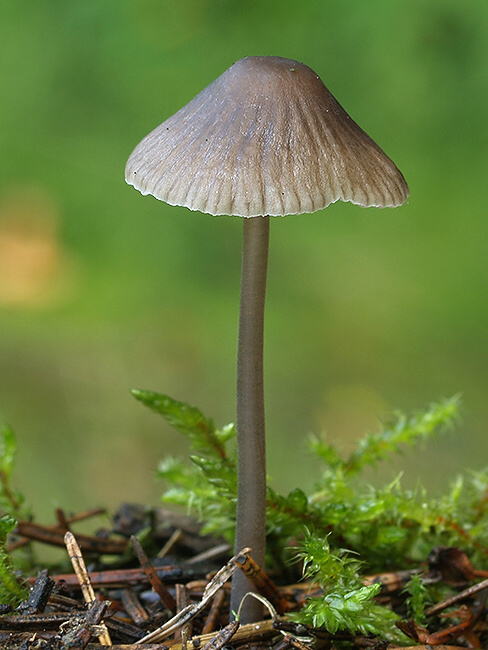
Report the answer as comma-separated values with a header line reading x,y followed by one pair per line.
x,y
251,490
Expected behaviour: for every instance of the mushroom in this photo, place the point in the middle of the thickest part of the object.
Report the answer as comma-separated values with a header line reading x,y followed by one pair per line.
x,y
266,138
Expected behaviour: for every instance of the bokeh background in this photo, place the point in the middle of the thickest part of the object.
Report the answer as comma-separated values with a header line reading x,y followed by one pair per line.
x,y
103,290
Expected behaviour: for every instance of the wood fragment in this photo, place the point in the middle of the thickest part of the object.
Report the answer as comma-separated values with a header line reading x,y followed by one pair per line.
x,y
133,607
225,635
211,553
79,567
296,643
62,519
249,634
425,647
124,629
468,619
285,643
85,514
55,537
151,574
123,577
462,595
129,646
174,539
192,610
196,587
390,581
263,583
85,625
214,613
65,522
182,602
39,595
22,639
33,621
63,603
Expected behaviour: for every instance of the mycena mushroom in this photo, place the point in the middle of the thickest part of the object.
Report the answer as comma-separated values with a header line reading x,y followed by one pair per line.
x,y
264,139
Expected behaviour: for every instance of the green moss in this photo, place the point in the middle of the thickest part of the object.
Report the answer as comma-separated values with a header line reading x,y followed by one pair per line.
x,y
345,527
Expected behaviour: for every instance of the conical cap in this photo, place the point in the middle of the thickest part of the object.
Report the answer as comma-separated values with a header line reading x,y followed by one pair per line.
x,y
265,138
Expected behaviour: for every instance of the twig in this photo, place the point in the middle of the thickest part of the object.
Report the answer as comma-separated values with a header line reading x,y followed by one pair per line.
x,y
263,583
33,621
225,635
210,554
466,593
182,602
81,628
133,607
214,612
174,539
79,568
192,610
39,594
55,537
166,598
118,577
426,647
245,634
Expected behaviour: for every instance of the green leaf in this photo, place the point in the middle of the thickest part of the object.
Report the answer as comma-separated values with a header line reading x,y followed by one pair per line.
x,y
11,592
8,449
188,420
224,477
297,499
10,500
7,524
327,452
403,430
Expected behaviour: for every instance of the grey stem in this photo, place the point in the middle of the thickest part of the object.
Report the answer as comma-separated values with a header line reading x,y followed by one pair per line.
x,y
251,450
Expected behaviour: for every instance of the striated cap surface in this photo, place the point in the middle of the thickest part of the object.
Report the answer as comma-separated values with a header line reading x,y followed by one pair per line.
x,y
265,138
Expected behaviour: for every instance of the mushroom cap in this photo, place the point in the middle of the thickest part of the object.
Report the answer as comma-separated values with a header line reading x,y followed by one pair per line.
x,y
264,138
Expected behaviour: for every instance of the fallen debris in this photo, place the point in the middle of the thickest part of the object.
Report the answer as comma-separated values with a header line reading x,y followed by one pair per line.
x,y
181,602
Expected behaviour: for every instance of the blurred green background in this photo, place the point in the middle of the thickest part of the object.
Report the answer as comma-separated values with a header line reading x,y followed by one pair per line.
x,y
103,290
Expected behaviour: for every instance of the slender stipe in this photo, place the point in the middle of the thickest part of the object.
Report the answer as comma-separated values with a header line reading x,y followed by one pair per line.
x,y
251,449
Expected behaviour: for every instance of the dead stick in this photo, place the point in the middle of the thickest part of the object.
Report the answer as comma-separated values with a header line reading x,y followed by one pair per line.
x,y
296,643
425,647
263,583
55,537
214,612
460,596
246,633
79,568
174,539
33,621
162,591
133,607
182,602
118,577
225,635
130,646
285,643
189,612
92,620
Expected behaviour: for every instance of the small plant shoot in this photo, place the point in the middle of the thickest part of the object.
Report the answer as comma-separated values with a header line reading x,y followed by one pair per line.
x,y
11,591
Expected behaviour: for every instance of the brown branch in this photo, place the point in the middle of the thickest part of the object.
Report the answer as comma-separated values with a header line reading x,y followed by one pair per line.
x,y
55,537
